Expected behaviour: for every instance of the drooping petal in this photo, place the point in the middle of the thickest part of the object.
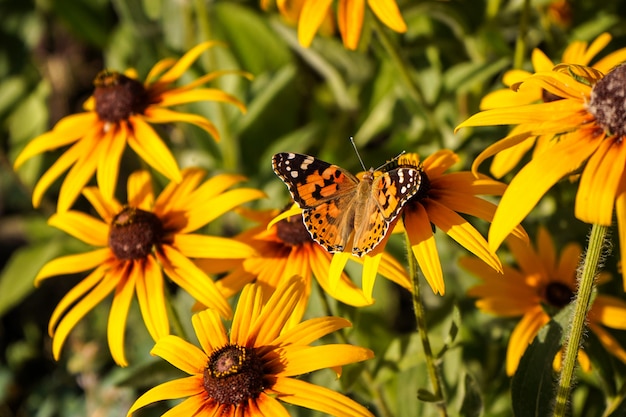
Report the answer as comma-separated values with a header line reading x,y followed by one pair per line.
x,y
463,232
523,335
350,15
312,396
533,181
311,17
599,183
388,12
185,62
82,226
370,269
67,130
210,330
162,115
109,159
72,264
182,354
178,388
118,313
337,265
149,146
300,361
151,298
189,277
417,225
78,311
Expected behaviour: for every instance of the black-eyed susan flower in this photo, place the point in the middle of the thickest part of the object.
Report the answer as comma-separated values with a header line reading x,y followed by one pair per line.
x,y
540,285
247,372
578,52
350,14
587,130
285,249
119,113
441,201
136,243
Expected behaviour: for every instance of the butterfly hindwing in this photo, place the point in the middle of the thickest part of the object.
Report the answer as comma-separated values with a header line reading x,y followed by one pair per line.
x,y
312,181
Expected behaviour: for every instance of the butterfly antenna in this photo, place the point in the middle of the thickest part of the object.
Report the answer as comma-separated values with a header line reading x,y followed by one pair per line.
x,y
357,153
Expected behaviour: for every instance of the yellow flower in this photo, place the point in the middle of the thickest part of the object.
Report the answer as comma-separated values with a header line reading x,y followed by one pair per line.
x,y
285,249
350,13
586,127
245,374
136,243
442,199
541,285
577,52
120,113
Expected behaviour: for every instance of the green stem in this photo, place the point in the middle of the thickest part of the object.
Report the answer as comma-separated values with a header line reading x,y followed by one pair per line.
x,y
420,317
369,380
520,43
577,321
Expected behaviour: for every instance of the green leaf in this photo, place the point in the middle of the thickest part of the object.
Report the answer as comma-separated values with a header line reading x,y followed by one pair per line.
x,y
532,387
16,280
427,396
472,405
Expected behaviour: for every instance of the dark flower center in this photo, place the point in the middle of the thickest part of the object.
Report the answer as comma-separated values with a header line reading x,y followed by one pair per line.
x,y
134,232
234,375
558,295
292,231
608,102
118,97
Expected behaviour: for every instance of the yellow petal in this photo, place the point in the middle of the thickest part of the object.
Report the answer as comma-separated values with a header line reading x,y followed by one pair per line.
x,y
620,210
109,161
210,330
370,270
300,361
311,17
505,160
541,62
609,311
417,225
315,397
599,183
162,115
106,208
151,298
189,277
309,331
249,308
82,226
186,61
533,181
512,140
337,265
72,264
172,98
67,130
523,334
266,405
139,190
350,21
182,354
437,163
609,342
388,12
203,246
178,388
80,309
149,146
118,313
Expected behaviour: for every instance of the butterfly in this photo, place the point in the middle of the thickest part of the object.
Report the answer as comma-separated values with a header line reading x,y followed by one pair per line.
x,y
339,210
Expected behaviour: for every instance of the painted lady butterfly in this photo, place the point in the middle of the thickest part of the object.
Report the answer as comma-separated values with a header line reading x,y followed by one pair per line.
x,y
340,210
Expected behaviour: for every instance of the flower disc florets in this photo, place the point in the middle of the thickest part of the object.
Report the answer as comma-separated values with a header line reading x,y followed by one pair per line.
x,y
134,232
234,374
118,97
608,102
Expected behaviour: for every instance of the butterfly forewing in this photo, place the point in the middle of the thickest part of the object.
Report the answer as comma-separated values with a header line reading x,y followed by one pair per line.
x,y
312,181
394,188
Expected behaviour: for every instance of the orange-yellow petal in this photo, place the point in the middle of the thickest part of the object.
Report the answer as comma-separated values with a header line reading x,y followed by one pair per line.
x,y
139,190
350,15
173,98
210,330
182,354
204,246
109,160
186,61
106,208
82,226
178,388
307,332
162,115
301,361
523,335
417,225
116,328
151,298
388,12
72,264
609,311
311,17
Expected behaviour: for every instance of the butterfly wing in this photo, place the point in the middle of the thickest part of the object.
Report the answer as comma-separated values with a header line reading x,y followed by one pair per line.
x,y
312,181
389,192
325,192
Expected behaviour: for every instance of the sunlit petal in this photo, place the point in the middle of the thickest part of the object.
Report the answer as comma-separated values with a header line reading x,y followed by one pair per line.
x,y
210,330
72,264
178,388
418,227
82,226
301,361
311,17
180,353
523,335
118,313
150,295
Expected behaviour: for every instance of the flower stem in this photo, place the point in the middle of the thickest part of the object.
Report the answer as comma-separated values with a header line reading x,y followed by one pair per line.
x,y
420,317
577,321
520,43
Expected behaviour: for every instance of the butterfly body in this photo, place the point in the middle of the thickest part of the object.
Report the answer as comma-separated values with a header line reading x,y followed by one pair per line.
x,y
341,211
